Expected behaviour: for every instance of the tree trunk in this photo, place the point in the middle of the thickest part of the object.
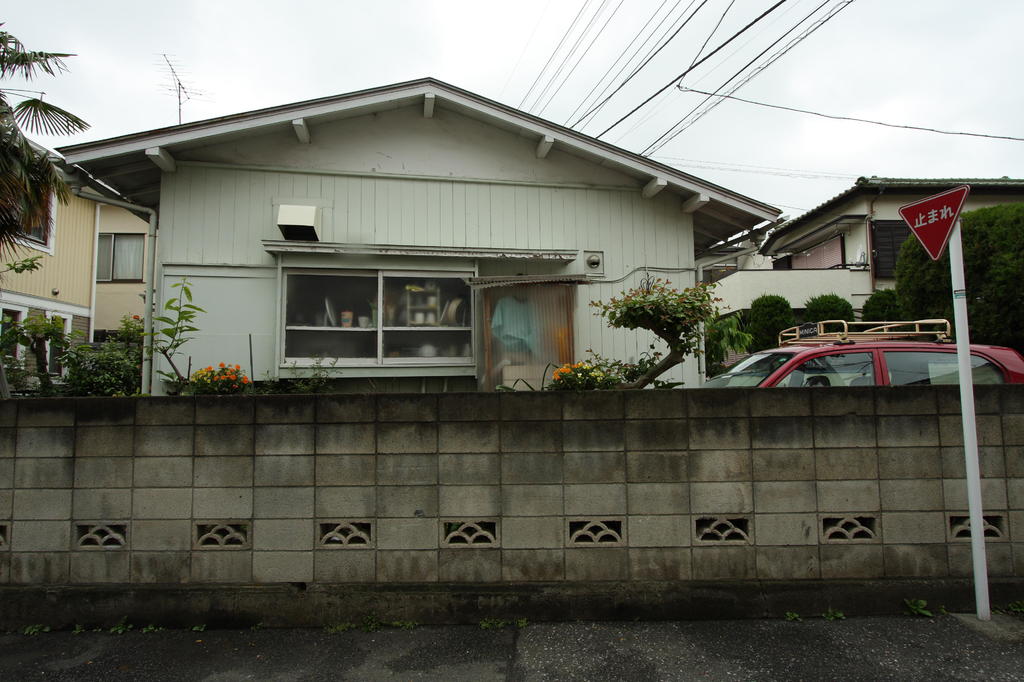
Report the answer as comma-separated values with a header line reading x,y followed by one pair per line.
x,y
667,363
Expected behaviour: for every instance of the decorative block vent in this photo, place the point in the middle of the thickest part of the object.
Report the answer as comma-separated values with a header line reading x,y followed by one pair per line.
x,y
469,533
222,535
721,529
840,529
960,527
5,536
101,535
591,532
340,534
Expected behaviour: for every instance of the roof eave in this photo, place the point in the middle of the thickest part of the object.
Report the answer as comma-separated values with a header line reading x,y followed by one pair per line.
x,y
370,99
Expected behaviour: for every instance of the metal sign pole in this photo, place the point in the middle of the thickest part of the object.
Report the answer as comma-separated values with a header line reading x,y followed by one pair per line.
x,y
963,353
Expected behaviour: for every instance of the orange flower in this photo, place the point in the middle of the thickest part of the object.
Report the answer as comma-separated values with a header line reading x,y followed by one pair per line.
x,y
221,365
238,367
210,368
245,380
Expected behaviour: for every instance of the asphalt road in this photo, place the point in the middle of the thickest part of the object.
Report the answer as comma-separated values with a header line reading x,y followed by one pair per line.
x,y
885,648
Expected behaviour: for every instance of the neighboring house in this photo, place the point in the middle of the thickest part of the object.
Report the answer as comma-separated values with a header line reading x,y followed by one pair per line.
x,y
847,245
411,236
120,268
63,286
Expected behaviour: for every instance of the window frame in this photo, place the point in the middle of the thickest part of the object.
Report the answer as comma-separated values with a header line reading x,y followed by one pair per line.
x,y
22,315
379,361
50,360
113,250
48,246
784,378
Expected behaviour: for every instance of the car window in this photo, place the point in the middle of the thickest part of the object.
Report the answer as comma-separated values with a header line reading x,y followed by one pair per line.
x,y
749,371
923,368
837,369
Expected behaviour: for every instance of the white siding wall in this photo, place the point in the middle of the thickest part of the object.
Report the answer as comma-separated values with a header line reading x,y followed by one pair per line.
x,y
217,216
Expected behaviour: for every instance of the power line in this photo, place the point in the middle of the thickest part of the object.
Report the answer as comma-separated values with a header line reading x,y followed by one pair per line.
x,y
586,50
658,106
861,120
751,168
540,19
569,54
622,54
713,32
558,47
687,121
644,63
695,65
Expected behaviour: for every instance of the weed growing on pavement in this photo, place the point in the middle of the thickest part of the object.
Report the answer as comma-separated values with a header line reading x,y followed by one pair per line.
x,y
79,629
371,623
198,628
120,627
152,628
35,629
917,607
494,624
403,624
833,614
256,626
338,628
521,623
793,617
1016,608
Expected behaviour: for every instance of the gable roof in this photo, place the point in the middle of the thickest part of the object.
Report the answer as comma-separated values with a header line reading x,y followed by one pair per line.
x,y
878,186
122,163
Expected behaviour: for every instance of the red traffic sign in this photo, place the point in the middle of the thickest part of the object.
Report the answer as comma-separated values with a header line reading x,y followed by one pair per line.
x,y
931,220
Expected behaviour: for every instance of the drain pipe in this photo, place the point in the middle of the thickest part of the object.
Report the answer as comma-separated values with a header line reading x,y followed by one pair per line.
x,y
147,320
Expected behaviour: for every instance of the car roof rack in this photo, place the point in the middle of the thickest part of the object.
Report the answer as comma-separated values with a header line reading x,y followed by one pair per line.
x,y
843,332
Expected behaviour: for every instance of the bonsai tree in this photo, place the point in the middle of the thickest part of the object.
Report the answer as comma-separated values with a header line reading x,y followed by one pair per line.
x,y
828,307
769,314
676,317
882,306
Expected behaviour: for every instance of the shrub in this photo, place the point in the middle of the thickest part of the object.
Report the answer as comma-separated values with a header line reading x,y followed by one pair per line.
x,y
769,314
993,240
224,379
112,368
828,307
721,337
882,306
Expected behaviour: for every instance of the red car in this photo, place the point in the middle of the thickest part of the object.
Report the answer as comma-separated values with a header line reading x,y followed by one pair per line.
x,y
869,354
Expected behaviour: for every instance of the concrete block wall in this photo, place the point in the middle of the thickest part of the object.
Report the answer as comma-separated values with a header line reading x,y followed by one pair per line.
x,y
697,485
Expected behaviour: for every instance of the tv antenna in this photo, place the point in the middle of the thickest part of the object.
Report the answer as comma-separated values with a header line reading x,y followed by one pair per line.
x,y
183,92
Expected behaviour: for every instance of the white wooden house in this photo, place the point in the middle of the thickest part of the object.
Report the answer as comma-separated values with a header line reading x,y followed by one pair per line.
x,y
410,236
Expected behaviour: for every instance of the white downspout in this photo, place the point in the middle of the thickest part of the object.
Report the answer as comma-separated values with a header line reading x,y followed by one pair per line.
x,y
147,361
92,288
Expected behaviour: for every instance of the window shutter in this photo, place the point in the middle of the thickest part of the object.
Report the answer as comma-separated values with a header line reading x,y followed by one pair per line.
x,y
887,237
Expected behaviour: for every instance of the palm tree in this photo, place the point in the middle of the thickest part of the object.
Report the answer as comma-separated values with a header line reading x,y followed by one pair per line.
x,y
29,179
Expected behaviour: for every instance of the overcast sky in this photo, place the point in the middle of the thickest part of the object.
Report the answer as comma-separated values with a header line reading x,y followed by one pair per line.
x,y
944,64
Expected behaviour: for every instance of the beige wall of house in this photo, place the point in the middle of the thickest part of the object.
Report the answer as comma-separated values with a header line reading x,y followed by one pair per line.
x,y
116,299
66,265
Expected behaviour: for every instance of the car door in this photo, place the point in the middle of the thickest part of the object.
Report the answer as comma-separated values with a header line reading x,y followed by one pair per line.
x,y
833,367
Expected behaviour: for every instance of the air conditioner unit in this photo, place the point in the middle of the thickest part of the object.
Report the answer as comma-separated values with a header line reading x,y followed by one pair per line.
x,y
299,223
